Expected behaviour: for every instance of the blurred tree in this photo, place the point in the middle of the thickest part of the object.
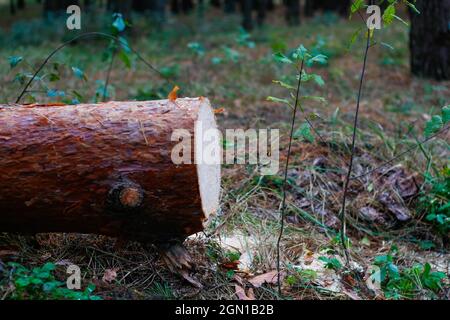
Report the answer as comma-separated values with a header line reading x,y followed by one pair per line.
x,y
247,7
120,6
20,4
292,12
247,18
54,8
12,7
185,6
341,6
215,3
229,6
430,39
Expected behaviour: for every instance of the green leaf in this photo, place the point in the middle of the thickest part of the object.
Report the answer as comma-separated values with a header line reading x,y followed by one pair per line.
x,y
301,53
124,44
433,126
412,6
354,37
387,45
304,132
53,77
78,73
315,98
118,24
37,281
125,59
22,282
284,84
320,59
279,57
446,114
389,14
356,5
381,259
14,61
278,100
49,266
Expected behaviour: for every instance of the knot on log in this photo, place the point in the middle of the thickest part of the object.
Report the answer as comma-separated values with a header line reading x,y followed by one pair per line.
x,y
125,197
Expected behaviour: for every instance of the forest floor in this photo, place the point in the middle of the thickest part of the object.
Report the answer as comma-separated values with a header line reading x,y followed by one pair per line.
x,y
236,256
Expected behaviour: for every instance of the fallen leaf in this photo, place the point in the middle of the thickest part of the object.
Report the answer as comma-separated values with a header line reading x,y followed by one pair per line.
x,y
230,265
372,215
110,275
173,94
240,293
400,212
191,280
351,294
63,262
269,277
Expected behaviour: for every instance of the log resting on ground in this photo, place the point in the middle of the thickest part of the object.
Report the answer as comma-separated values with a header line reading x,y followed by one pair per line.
x,y
104,169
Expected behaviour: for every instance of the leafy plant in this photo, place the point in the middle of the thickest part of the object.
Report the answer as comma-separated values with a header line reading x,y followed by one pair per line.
x,y
39,283
162,290
297,56
197,48
407,283
331,263
301,277
435,203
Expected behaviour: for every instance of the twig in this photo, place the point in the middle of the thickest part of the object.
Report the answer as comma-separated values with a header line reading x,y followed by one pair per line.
x,y
108,74
283,203
83,36
350,166
403,153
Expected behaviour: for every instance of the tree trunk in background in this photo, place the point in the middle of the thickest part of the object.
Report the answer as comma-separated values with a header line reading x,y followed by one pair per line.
x,y
430,39
215,3
309,8
12,7
20,4
120,6
261,9
339,6
105,169
54,8
292,12
187,5
142,6
229,6
247,19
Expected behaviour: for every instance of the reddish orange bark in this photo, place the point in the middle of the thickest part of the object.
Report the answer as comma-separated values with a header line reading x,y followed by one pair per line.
x,y
103,169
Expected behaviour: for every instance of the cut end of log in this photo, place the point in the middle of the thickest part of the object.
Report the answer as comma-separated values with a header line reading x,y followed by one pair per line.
x,y
208,174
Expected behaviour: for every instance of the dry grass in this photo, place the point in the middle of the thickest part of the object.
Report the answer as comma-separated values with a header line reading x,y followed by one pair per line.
x,y
250,203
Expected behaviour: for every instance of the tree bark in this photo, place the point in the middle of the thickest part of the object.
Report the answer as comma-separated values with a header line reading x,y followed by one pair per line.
x,y
104,169
12,7
247,17
430,39
292,12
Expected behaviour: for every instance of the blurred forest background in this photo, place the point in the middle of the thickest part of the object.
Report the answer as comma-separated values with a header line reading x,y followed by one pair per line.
x,y
398,212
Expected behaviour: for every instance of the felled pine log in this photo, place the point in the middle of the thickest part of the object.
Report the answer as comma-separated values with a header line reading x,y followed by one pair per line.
x,y
104,169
